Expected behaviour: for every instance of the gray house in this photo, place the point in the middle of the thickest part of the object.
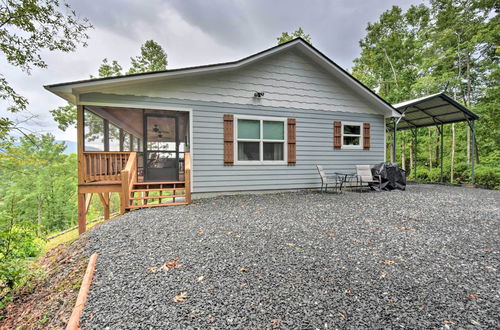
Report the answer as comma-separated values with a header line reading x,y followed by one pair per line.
x,y
259,123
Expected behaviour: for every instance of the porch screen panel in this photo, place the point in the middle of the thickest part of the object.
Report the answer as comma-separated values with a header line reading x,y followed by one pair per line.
x,y
93,132
114,138
126,141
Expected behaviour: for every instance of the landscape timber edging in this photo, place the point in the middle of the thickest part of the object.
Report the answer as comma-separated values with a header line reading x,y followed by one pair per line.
x,y
74,320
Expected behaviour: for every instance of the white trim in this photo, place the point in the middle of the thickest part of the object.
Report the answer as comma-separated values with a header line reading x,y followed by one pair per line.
x,y
261,141
352,123
146,107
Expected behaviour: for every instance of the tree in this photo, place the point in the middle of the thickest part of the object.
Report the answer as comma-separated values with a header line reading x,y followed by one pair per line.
x,y
107,69
27,28
451,46
299,33
392,52
152,58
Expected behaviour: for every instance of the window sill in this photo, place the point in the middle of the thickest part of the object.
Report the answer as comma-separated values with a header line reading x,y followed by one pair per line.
x,y
352,147
260,163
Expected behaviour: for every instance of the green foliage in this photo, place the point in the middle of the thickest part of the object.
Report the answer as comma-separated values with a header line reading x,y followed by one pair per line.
x,y
392,52
29,27
65,116
38,179
109,70
152,58
448,45
488,176
299,33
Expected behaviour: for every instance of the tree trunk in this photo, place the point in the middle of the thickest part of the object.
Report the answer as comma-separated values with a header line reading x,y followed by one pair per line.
x,y
469,92
39,215
452,161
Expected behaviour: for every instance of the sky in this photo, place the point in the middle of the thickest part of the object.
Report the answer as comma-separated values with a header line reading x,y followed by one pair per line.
x,y
192,32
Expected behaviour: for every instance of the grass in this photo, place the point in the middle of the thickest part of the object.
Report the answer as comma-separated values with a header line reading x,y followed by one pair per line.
x,y
66,237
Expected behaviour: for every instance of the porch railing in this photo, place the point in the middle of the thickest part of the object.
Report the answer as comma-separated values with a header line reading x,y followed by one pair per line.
x,y
103,166
128,178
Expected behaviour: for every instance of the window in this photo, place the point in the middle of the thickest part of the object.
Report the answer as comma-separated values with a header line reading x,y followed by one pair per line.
x,y
352,136
260,140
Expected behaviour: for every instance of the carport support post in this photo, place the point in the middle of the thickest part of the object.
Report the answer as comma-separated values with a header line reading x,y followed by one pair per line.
x,y
394,149
442,146
472,159
414,131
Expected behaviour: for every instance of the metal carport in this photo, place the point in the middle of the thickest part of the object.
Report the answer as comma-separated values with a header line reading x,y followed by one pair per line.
x,y
432,110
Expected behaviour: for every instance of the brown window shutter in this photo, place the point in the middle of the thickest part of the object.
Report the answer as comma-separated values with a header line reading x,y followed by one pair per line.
x,y
292,145
337,134
366,136
228,139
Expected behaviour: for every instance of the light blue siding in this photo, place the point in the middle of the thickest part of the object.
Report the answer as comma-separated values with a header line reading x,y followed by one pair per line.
x,y
314,130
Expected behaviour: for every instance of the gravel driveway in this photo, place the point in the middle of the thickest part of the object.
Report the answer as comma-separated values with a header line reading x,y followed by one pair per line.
x,y
425,258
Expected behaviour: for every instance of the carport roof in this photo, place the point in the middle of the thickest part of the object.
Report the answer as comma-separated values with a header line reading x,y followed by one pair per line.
x,y
431,110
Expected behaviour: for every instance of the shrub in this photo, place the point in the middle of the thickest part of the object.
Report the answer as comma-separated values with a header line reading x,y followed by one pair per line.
x,y
487,176
18,243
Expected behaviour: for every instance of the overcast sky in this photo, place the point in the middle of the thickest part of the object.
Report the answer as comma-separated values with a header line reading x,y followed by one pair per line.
x,y
193,32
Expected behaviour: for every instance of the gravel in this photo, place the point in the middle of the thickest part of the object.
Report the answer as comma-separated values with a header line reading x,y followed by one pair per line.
x,y
428,257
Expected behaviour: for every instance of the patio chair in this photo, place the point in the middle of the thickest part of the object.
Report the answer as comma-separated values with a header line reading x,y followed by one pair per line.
x,y
365,176
326,180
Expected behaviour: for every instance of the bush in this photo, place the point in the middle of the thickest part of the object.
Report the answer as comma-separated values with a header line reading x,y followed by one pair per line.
x,y
422,173
18,243
435,174
487,176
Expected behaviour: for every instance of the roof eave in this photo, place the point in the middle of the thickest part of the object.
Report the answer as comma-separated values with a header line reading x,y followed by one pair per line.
x,y
65,90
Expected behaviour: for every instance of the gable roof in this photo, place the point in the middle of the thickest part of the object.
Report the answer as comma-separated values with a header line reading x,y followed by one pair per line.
x,y
432,110
70,90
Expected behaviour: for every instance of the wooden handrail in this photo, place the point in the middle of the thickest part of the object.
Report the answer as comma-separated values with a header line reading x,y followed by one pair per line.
x,y
187,176
128,178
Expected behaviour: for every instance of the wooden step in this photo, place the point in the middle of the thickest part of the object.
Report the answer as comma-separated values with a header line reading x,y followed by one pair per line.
x,y
158,183
156,197
153,205
156,189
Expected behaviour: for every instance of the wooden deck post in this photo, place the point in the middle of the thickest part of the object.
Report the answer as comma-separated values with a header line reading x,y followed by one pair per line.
x,y
125,193
82,205
187,177
82,213
105,197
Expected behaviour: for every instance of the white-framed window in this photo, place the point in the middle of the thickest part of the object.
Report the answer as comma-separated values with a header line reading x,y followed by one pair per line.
x,y
352,135
260,140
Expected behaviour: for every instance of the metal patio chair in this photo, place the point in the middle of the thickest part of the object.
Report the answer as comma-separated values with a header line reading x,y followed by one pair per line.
x,y
365,176
329,180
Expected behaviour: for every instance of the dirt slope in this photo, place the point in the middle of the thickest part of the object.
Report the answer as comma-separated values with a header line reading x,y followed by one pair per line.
x,y
48,298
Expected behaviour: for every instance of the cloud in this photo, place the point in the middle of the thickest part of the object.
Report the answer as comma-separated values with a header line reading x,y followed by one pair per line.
x,y
192,32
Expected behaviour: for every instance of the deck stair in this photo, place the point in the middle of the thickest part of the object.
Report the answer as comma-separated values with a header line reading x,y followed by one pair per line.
x,y
152,194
